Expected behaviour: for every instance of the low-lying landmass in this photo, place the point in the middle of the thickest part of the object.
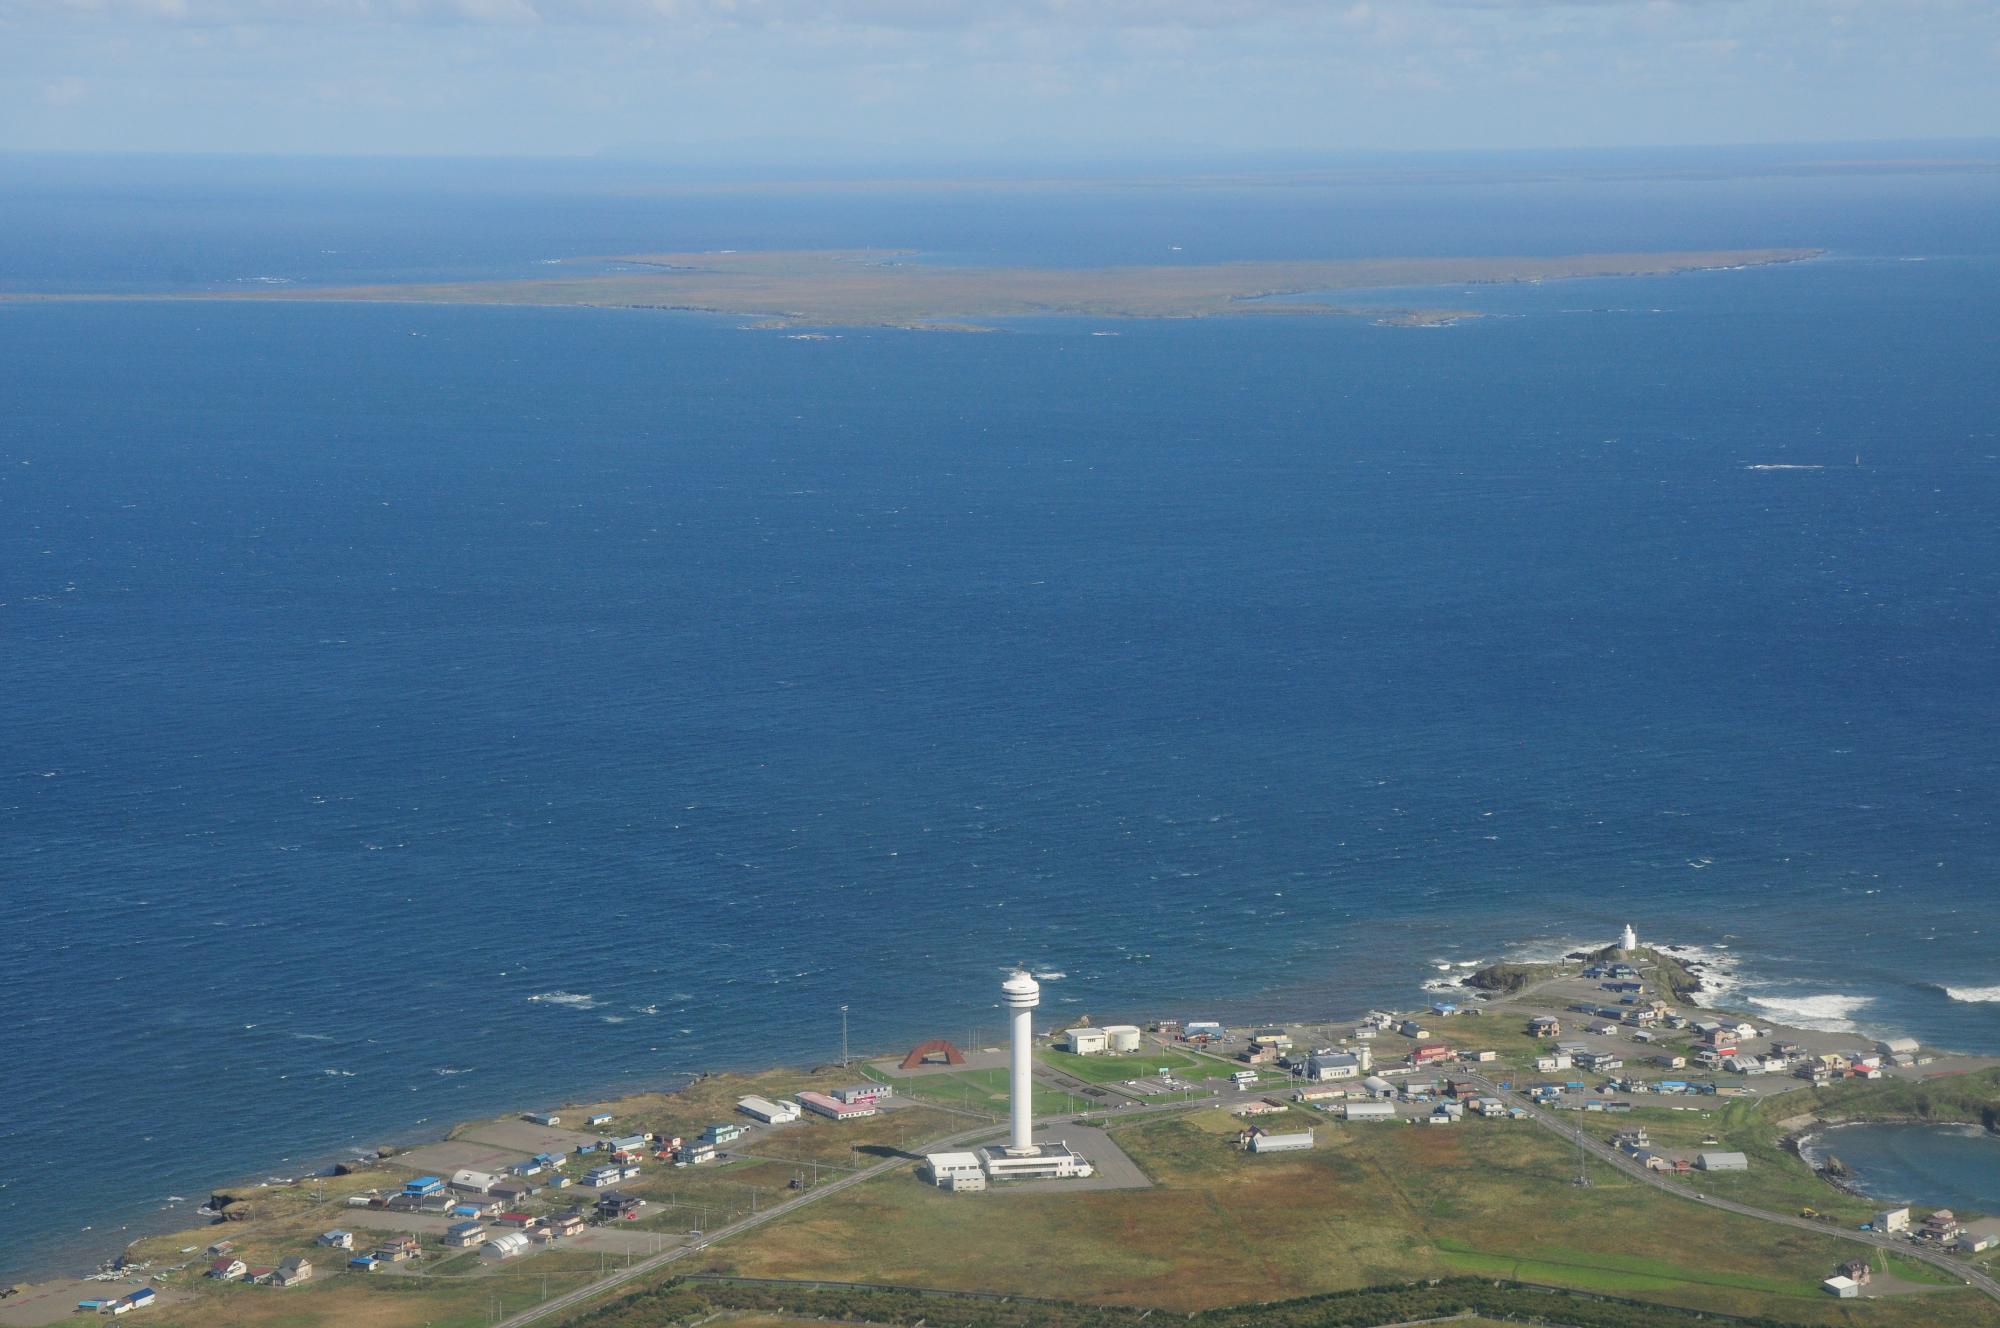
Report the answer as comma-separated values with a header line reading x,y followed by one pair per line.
x,y
1559,1143
875,288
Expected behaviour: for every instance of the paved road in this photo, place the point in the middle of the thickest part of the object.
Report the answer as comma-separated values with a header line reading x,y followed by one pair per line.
x,y
573,1299
1604,1152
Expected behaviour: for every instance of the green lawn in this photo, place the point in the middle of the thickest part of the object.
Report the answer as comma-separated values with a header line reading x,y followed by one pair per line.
x,y
1145,1065
1616,1273
984,1090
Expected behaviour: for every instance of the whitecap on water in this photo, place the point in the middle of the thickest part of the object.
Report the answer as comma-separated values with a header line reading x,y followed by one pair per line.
x,y
574,1000
1974,994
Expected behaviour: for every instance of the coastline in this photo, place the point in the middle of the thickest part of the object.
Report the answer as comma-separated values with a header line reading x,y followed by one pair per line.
x,y
1273,1007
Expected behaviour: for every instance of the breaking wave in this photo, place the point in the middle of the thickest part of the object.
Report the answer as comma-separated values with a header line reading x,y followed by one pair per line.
x,y
1973,994
1830,1013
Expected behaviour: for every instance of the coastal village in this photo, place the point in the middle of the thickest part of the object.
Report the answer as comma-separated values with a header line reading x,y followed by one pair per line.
x,y
1607,1051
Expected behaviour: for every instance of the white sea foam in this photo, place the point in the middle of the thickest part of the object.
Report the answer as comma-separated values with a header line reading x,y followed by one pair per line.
x,y
1717,969
574,1000
1780,466
1830,1012
1976,994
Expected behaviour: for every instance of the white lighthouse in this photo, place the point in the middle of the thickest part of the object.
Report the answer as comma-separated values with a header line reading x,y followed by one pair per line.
x,y
1630,939
1021,994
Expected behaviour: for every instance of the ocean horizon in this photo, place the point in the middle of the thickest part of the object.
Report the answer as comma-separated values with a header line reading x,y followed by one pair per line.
x,y
421,713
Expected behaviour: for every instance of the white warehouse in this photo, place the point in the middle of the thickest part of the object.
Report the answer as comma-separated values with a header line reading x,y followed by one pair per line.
x,y
1281,1143
771,1113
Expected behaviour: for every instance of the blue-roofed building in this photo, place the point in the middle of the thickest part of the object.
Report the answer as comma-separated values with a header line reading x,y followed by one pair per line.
x,y
423,1185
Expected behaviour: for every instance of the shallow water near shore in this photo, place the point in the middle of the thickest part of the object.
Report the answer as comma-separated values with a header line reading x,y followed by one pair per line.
x,y
1937,1166
415,714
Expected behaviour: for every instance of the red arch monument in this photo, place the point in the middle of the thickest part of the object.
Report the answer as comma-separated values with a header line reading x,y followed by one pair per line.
x,y
938,1048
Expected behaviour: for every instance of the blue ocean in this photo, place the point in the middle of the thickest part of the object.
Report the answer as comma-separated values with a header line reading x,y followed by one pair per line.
x,y
408,713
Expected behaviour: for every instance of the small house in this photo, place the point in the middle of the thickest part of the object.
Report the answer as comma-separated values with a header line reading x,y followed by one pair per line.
x,y
292,1271
337,1239
228,1269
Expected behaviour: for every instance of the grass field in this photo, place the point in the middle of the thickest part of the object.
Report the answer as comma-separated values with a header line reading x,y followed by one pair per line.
x,y
1619,1274
1145,1065
1777,1179
984,1090
1369,1205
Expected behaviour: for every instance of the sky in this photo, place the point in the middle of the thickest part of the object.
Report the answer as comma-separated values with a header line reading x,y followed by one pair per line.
x,y
980,80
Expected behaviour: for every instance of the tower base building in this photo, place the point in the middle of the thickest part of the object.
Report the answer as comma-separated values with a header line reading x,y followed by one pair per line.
x,y
1050,1161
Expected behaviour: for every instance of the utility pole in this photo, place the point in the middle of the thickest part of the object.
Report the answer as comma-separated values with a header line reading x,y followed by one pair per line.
x,y
843,1037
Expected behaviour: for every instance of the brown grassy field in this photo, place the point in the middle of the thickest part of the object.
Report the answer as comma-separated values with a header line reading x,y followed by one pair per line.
x,y
1372,1204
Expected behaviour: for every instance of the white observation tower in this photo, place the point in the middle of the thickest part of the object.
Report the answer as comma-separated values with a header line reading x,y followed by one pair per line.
x,y
1021,994
1020,1158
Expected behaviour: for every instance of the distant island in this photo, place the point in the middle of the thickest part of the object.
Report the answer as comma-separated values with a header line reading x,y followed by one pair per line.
x,y
877,288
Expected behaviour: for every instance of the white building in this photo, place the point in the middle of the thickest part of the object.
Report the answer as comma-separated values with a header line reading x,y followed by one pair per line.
x,y
1086,1041
506,1245
1892,1220
957,1172
1123,1038
473,1182
1722,1162
1334,1065
1629,939
771,1113
1281,1143
1369,1111
1050,1161
1844,1287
